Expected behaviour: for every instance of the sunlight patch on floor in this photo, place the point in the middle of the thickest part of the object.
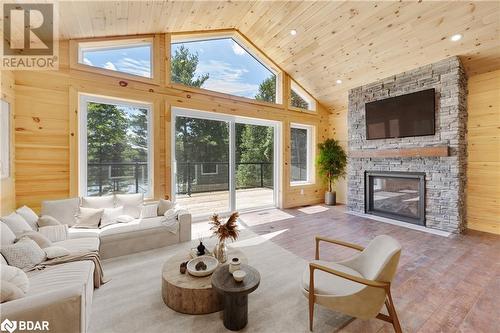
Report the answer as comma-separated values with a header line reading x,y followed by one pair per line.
x,y
257,240
264,216
313,209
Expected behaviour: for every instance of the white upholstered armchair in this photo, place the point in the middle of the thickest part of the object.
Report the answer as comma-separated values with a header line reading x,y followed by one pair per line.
x,y
358,286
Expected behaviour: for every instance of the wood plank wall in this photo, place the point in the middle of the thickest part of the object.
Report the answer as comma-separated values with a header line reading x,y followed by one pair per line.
x,y
337,123
7,185
483,139
46,127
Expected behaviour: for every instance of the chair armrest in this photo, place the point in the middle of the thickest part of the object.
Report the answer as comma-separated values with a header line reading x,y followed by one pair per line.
x,y
335,241
185,219
63,309
371,283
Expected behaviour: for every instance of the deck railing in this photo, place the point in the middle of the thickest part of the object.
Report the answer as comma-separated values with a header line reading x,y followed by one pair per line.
x,y
117,177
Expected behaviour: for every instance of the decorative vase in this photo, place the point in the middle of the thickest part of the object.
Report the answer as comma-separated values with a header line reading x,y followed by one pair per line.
x,y
201,249
330,198
234,265
220,251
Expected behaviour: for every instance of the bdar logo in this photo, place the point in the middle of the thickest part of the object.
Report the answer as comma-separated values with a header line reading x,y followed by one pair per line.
x,y
8,325
28,29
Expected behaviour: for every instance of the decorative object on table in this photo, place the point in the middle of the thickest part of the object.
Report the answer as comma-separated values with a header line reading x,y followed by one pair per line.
x,y
183,267
234,265
331,161
235,294
202,266
239,275
193,253
224,232
201,248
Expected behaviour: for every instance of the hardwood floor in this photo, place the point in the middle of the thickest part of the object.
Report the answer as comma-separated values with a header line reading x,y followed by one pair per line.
x,y
442,284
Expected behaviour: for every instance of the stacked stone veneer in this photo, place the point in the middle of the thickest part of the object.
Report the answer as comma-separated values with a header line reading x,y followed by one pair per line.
x,y
445,176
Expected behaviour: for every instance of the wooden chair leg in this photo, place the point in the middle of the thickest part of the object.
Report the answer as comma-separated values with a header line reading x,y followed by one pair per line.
x,y
311,314
392,313
311,298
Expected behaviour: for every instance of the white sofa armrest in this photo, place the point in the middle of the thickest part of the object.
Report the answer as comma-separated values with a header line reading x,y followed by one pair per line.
x,y
184,218
64,309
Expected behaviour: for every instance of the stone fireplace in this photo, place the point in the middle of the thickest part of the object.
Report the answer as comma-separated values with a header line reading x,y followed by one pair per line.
x,y
440,203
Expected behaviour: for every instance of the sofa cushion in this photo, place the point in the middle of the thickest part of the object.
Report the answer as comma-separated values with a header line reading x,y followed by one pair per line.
x,y
16,223
29,216
149,211
24,254
63,210
47,220
57,277
7,237
38,237
55,233
107,201
132,203
15,276
88,218
80,245
75,233
110,216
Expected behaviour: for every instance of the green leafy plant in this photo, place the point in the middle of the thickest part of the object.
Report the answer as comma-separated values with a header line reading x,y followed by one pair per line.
x,y
331,161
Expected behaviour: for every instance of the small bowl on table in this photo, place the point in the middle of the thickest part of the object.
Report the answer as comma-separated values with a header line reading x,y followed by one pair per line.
x,y
239,275
210,262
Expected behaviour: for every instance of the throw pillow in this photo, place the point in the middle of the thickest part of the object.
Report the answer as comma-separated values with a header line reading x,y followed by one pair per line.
x,y
88,218
7,237
149,211
16,223
9,292
39,238
62,210
107,201
55,252
56,233
15,276
124,219
132,204
25,254
110,215
29,216
46,220
163,206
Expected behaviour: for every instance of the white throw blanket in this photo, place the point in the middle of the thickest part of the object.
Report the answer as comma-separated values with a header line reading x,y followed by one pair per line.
x,y
171,219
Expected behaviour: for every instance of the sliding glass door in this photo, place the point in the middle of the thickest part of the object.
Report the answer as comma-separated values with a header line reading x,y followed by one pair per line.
x,y
223,163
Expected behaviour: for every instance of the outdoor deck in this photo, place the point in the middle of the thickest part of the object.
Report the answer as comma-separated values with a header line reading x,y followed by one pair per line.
x,y
218,202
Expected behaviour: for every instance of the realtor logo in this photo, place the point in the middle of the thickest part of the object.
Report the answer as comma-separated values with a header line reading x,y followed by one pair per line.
x,y
29,31
8,325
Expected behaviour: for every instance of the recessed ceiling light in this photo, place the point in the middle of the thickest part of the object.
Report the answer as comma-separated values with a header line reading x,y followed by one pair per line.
x,y
339,81
293,32
456,37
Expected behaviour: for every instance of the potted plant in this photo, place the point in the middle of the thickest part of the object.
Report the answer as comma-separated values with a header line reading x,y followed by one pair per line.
x,y
331,161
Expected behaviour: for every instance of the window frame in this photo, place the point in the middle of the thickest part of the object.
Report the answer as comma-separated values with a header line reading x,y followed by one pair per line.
x,y
203,173
83,100
76,52
310,171
312,105
252,50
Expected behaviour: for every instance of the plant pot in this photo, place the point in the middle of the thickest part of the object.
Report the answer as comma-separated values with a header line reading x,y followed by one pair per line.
x,y
330,198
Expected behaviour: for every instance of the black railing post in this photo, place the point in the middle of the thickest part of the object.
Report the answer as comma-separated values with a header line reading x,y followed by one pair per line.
x,y
100,180
261,175
136,172
189,179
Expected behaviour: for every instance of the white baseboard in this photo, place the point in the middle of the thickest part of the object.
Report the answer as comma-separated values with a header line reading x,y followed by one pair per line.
x,y
401,224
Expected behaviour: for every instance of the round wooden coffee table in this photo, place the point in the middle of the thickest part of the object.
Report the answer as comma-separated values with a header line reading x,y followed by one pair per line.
x,y
235,294
189,294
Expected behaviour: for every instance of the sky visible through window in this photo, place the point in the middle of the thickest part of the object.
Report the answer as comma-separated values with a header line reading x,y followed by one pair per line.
x,y
231,69
135,60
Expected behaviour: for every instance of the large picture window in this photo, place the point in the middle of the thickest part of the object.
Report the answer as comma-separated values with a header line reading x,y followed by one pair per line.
x,y
133,57
301,137
224,65
115,147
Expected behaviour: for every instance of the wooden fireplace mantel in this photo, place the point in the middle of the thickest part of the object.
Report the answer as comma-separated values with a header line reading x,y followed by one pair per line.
x,y
434,151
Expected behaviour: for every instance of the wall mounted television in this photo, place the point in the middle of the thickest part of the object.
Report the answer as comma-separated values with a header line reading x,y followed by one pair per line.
x,y
402,116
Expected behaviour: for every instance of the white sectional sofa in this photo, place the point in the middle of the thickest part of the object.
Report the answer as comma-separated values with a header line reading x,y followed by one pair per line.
x,y
62,294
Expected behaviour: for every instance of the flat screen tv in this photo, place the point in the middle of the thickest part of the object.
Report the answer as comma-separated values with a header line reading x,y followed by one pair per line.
x,y
402,116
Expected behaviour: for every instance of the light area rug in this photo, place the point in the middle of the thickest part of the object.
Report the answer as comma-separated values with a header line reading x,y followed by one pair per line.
x,y
131,301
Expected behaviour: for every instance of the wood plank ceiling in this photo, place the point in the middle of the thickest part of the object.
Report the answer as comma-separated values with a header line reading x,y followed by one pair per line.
x,y
356,42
